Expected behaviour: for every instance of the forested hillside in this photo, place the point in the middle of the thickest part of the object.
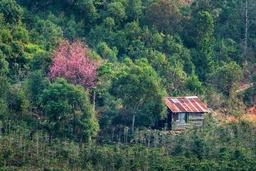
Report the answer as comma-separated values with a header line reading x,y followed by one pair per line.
x,y
82,82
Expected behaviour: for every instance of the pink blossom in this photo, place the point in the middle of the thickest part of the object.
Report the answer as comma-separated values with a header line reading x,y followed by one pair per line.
x,y
72,62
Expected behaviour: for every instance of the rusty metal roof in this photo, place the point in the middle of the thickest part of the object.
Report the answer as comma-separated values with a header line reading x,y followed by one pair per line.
x,y
186,104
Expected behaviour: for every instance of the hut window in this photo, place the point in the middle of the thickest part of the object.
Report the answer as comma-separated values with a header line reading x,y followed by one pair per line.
x,y
182,117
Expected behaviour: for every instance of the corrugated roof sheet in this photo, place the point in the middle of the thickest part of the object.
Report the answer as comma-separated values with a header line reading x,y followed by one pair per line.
x,y
185,104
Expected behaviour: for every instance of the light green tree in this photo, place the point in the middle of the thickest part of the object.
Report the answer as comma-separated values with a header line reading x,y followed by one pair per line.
x,y
140,92
106,52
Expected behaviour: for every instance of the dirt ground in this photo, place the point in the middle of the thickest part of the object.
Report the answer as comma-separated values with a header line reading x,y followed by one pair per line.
x,y
249,114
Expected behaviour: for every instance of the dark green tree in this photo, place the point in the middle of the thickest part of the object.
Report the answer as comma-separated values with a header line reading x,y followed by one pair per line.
x,y
193,84
106,104
34,85
116,10
249,96
46,33
6,36
68,111
227,50
225,78
11,10
4,84
85,10
20,34
134,10
41,60
164,16
203,41
170,69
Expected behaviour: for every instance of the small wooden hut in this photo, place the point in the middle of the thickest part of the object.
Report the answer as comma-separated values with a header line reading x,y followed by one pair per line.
x,y
183,112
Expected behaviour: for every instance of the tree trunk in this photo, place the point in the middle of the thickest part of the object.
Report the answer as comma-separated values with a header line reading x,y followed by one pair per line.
x,y
94,99
246,29
133,121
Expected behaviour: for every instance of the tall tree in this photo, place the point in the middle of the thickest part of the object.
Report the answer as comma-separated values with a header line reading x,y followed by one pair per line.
x,y
164,15
203,41
140,92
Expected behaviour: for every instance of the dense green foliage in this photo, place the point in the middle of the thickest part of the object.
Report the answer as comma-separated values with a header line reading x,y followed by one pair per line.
x,y
68,111
143,50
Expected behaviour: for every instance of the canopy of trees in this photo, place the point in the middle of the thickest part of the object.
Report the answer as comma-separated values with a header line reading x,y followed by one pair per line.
x,y
72,69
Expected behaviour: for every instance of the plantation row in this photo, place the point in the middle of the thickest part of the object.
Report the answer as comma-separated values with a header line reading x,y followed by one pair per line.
x,y
234,149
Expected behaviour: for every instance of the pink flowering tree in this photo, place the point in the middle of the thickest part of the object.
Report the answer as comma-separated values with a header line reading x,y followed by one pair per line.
x,y
71,61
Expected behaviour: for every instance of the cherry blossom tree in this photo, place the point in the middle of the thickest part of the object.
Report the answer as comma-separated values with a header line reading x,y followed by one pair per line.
x,y
71,61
